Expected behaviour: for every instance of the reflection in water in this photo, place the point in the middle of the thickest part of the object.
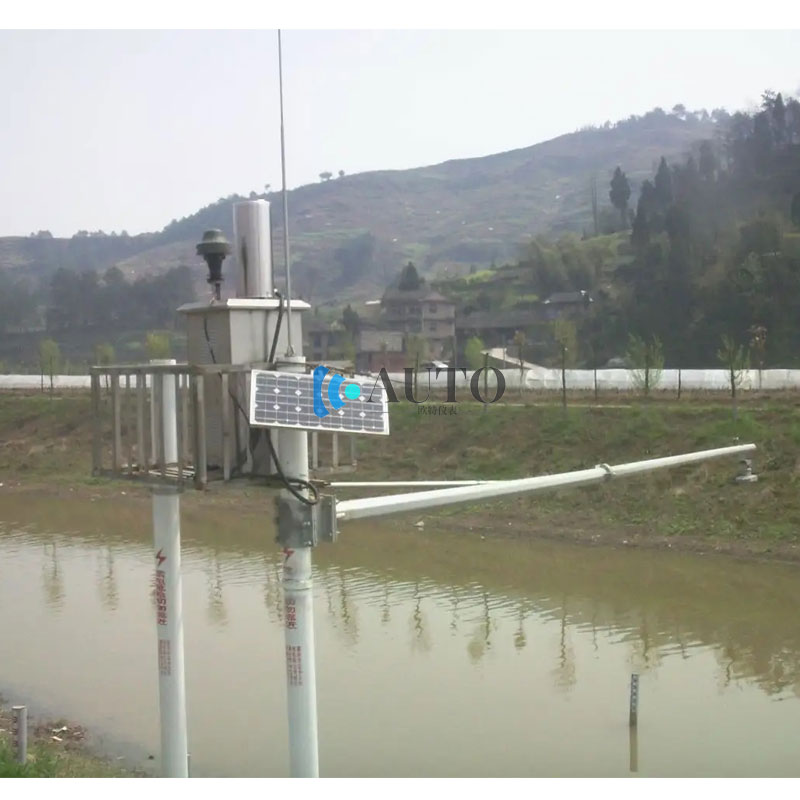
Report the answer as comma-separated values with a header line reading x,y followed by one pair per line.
x,y
633,747
273,597
51,577
720,636
564,673
519,635
420,640
217,615
385,613
348,613
454,618
106,580
335,586
481,640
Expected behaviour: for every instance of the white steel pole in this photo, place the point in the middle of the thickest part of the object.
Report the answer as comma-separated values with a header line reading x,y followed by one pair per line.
x,y
399,484
169,604
169,433
301,680
415,501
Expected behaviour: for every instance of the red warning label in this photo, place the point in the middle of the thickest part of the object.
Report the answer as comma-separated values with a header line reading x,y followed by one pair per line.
x,y
161,597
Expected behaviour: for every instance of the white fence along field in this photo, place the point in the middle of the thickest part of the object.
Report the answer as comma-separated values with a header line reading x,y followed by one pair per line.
x,y
535,378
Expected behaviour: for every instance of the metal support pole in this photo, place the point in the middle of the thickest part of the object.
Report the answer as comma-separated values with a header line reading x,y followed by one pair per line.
x,y
167,386
335,451
416,501
299,621
314,449
19,731
169,604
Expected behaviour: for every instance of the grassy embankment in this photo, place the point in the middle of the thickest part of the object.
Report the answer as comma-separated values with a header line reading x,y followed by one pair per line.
x,y
55,750
46,441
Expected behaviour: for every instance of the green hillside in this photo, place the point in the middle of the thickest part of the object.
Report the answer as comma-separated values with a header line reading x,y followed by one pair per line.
x,y
350,234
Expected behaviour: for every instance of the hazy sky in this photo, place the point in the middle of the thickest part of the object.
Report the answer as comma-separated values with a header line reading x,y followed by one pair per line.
x,y
128,130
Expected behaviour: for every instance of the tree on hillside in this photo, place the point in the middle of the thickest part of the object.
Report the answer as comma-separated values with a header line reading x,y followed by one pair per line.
x,y
49,360
663,184
354,258
735,358
351,321
341,173
17,304
103,356
410,280
708,161
157,345
565,334
325,176
473,352
794,212
416,349
646,360
520,341
643,221
593,195
620,193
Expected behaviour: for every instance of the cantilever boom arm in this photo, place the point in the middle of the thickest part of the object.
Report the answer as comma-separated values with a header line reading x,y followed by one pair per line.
x,y
415,501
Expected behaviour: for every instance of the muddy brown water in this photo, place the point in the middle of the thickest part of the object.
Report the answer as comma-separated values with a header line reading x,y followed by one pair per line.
x,y
438,654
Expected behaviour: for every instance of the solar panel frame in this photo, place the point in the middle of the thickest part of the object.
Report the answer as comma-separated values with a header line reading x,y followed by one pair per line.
x,y
286,400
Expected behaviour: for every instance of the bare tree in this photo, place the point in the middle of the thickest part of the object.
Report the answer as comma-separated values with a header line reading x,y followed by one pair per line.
x,y
735,358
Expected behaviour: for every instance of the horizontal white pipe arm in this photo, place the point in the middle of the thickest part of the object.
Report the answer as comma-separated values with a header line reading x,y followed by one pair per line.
x,y
415,501
396,484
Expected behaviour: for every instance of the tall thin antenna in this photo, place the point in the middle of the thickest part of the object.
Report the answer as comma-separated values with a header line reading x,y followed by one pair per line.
x,y
289,348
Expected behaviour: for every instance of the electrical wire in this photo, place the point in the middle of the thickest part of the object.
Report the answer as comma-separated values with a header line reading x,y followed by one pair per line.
x,y
290,483
231,395
274,347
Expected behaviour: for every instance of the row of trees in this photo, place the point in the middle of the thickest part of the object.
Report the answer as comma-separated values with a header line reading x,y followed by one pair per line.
x,y
51,361
715,246
110,302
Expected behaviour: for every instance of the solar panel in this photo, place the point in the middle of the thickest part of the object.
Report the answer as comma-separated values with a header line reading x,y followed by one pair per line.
x,y
318,402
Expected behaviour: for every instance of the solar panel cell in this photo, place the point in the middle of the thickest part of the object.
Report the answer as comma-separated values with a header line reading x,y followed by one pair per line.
x,y
286,400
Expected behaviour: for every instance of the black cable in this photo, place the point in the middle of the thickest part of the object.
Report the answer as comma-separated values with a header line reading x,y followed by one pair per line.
x,y
271,359
290,483
231,395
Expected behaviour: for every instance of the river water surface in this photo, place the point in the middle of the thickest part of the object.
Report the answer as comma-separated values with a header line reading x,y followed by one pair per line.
x,y
438,654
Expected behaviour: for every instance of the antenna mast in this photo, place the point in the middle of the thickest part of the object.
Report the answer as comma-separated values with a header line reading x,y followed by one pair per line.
x,y
289,348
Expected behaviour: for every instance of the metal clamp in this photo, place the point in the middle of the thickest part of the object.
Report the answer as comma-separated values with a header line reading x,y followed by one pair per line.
x,y
301,525
295,523
608,470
